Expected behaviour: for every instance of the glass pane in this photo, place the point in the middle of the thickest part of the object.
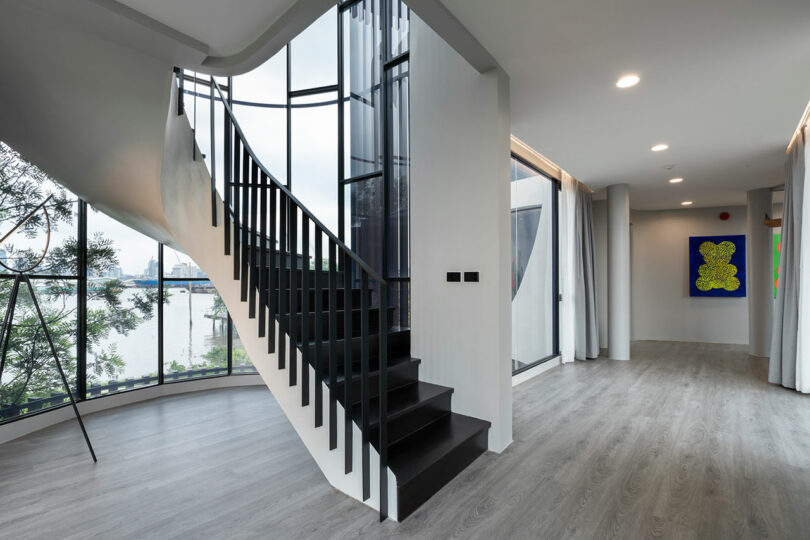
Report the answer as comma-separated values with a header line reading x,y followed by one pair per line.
x,y
400,15
24,187
399,194
177,264
241,360
520,170
313,54
266,84
533,298
195,332
364,220
314,157
201,118
30,380
122,299
266,132
361,44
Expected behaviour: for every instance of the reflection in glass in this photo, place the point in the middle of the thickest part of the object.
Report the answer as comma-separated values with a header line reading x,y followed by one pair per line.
x,y
362,41
399,192
533,297
400,25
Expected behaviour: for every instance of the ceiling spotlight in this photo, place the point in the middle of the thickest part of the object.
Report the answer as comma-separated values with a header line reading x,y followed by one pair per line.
x,y
676,181
626,81
686,203
659,147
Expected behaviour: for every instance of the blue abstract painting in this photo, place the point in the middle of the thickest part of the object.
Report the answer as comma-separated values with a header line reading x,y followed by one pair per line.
x,y
717,265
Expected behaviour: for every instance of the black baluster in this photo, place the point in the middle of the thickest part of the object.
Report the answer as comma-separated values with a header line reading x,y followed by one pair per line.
x,y
245,184
254,253
318,328
364,398
282,290
263,256
383,401
332,346
347,361
292,329
272,284
305,310
213,150
236,205
227,181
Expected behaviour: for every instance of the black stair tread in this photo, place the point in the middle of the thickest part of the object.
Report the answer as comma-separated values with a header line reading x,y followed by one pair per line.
x,y
392,331
394,361
403,400
417,452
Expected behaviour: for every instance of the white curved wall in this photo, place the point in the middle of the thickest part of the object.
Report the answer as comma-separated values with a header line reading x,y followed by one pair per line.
x,y
89,112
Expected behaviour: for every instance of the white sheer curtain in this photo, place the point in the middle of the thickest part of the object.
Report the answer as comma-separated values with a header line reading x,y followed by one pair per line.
x,y
567,267
790,340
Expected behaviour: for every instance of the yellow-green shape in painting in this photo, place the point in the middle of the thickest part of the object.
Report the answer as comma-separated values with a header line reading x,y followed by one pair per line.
x,y
717,272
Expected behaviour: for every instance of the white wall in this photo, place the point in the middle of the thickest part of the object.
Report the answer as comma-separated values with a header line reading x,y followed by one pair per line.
x,y
661,306
460,222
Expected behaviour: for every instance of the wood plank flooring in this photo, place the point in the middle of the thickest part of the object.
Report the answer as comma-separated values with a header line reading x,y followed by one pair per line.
x,y
684,441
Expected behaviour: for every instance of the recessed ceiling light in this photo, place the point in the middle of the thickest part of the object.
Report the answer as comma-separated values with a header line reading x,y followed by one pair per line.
x,y
626,81
676,181
686,203
659,147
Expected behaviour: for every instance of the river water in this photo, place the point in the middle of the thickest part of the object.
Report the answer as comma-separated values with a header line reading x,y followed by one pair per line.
x,y
187,333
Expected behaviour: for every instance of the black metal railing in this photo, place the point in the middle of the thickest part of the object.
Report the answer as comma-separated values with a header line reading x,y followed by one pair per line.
x,y
289,265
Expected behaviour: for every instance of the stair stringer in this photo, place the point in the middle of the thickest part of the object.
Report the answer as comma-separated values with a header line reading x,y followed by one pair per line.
x,y
186,193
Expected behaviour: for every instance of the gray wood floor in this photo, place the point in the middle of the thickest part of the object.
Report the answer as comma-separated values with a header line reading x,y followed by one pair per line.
x,y
684,441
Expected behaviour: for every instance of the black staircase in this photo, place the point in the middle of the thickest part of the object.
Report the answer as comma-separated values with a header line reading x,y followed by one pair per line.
x,y
329,303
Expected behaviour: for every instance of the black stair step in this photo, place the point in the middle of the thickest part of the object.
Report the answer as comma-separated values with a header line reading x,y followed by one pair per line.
x,y
402,370
410,408
283,276
373,322
356,295
399,344
428,459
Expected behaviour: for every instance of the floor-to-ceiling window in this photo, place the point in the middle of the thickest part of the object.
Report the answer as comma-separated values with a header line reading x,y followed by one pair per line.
x,y
535,295
116,303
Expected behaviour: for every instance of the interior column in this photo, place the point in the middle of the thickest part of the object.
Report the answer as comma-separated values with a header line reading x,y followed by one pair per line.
x,y
760,272
618,217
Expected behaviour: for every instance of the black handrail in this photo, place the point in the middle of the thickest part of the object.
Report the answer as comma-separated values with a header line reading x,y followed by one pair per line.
x,y
274,272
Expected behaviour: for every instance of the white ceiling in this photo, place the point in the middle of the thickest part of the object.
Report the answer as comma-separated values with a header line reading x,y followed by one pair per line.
x,y
723,82
226,27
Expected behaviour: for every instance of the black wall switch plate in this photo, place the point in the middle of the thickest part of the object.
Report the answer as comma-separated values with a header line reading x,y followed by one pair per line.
x,y
454,277
471,276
